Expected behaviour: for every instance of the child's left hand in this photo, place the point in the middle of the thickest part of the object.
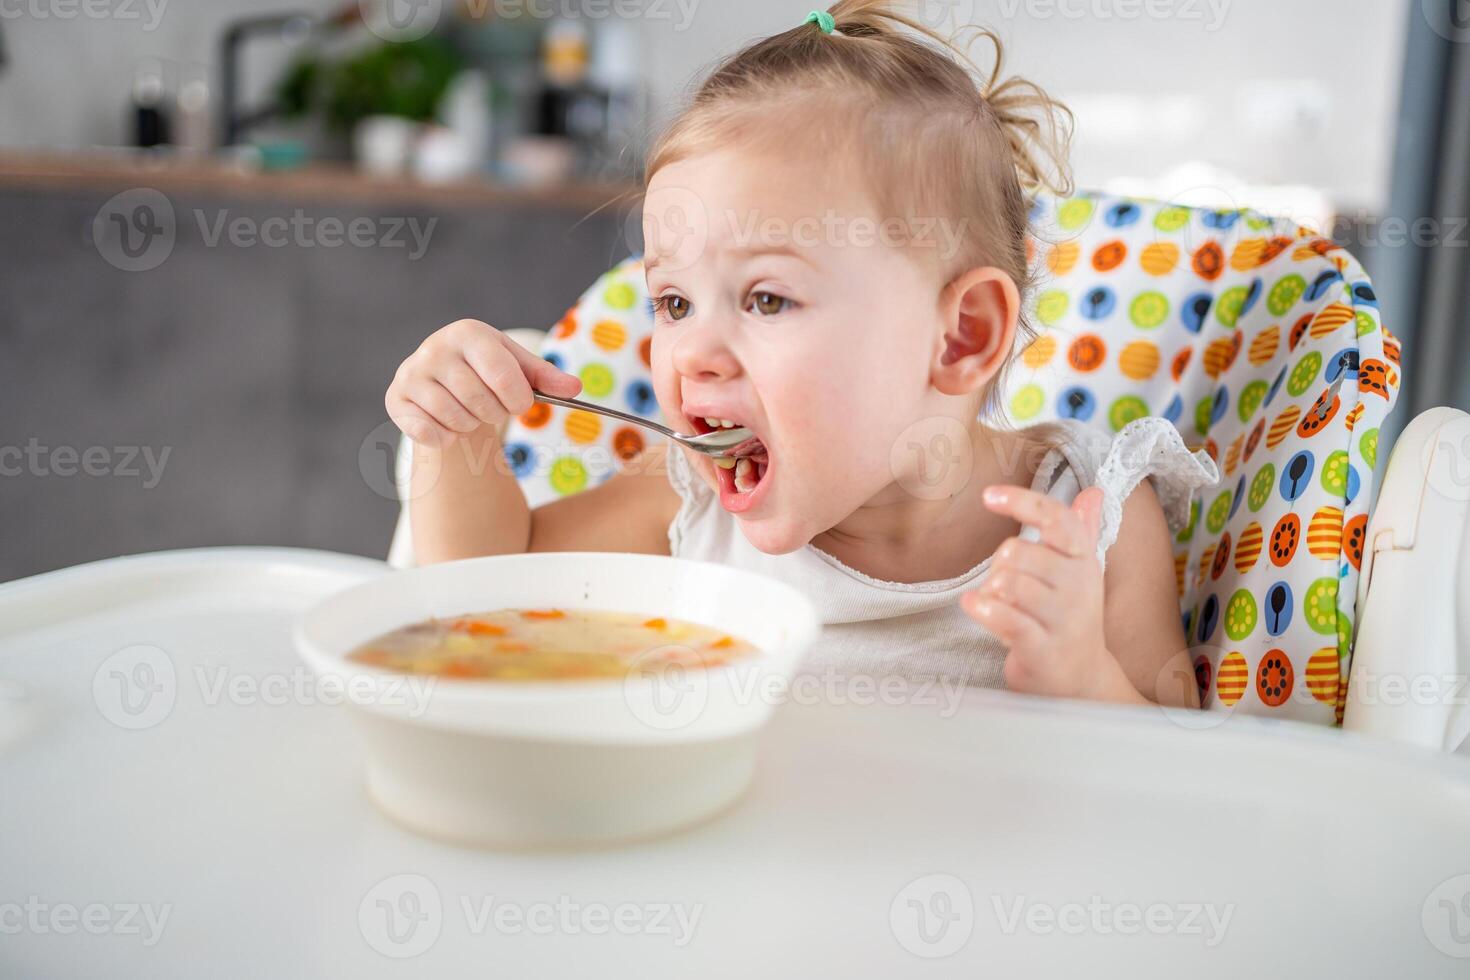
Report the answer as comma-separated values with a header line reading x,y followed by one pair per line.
x,y
1045,598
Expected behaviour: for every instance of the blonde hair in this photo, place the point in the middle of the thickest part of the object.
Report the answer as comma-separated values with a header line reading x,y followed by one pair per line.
x,y
935,135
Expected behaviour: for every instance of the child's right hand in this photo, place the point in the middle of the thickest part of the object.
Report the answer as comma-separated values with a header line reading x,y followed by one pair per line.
x,y
466,375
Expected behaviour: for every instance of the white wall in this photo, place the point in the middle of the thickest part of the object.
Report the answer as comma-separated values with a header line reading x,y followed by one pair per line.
x,y
1279,91
1190,87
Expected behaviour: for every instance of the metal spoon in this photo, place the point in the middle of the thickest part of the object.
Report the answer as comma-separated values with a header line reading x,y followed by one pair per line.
x,y
720,444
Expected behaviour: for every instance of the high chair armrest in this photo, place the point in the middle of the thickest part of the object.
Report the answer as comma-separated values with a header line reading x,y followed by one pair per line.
x,y
1410,676
400,550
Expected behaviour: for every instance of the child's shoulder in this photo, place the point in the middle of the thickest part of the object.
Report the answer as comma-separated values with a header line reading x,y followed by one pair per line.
x,y
1078,456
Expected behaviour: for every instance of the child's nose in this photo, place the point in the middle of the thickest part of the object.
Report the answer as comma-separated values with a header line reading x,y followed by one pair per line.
x,y
701,352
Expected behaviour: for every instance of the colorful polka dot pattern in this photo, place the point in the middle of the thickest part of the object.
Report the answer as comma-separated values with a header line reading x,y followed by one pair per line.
x,y
604,340
1262,344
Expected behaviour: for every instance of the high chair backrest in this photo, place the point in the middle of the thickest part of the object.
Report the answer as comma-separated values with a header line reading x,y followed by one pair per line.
x,y
1261,342
1258,340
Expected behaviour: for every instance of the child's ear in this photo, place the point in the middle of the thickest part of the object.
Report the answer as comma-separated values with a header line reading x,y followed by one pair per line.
x,y
980,309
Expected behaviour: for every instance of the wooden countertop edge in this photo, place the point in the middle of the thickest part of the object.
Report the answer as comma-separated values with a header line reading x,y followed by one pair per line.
x,y
315,183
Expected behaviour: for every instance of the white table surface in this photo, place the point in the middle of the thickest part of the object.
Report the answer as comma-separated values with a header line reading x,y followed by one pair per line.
x,y
996,837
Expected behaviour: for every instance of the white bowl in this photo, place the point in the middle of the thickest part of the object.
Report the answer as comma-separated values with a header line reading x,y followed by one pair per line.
x,y
561,762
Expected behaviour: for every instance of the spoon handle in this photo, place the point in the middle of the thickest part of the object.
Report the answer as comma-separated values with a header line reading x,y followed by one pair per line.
x,y
601,410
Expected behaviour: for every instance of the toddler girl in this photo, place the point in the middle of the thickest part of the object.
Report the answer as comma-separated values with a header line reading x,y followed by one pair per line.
x,y
836,252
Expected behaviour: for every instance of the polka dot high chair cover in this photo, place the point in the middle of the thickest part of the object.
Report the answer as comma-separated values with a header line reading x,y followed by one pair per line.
x,y
1259,341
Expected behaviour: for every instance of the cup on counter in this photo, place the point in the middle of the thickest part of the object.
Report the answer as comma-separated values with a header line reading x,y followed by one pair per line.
x,y
539,161
384,145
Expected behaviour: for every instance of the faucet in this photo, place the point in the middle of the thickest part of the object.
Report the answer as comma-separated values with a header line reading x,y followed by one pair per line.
x,y
292,28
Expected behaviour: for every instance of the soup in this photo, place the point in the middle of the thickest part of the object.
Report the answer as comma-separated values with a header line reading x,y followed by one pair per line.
x,y
548,644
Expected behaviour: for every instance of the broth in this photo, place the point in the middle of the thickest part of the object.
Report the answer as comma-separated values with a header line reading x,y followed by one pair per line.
x,y
548,644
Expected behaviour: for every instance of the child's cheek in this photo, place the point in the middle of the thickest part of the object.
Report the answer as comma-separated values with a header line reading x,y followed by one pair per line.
x,y
665,383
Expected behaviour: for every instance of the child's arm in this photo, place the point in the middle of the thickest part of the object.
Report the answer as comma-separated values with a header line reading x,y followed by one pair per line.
x,y
1073,631
630,512
451,396
1141,607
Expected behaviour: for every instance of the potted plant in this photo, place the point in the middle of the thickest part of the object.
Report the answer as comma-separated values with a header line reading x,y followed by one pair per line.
x,y
381,96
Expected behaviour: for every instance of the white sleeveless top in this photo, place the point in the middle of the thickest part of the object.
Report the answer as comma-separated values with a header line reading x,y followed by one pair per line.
x,y
917,629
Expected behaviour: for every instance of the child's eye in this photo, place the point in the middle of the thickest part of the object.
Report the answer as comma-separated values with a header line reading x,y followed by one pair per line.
x,y
673,306
768,304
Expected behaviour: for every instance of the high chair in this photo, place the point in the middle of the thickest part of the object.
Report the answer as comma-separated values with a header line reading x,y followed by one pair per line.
x,y
1261,342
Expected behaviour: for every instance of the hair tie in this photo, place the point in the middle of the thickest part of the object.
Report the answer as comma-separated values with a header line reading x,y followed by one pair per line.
x,y
822,19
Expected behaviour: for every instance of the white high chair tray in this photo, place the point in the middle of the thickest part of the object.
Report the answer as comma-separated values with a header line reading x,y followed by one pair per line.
x,y
219,828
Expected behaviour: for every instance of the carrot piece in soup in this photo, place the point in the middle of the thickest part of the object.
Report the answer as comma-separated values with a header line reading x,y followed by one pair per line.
x,y
543,614
723,642
478,627
656,623
456,668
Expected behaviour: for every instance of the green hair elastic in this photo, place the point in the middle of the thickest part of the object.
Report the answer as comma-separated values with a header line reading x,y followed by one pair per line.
x,y
822,19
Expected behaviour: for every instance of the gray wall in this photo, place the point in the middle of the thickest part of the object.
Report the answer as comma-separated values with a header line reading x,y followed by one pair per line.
x,y
259,370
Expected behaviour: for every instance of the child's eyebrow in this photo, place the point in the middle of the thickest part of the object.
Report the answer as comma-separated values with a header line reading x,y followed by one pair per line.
x,y
747,252
753,251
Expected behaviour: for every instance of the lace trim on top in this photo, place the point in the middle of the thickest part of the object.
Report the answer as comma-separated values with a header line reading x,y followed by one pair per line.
x,y
1147,447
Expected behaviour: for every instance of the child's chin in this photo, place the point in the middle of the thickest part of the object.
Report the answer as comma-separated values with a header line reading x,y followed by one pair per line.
x,y
775,538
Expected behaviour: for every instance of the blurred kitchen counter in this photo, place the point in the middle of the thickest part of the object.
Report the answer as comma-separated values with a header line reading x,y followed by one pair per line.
x,y
314,182
232,322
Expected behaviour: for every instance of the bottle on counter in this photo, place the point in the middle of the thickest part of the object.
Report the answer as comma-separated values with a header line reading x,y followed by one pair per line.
x,y
191,125
460,146
565,53
150,108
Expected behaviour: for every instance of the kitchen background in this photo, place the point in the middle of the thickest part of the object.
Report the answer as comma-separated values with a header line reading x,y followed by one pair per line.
x,y
180,300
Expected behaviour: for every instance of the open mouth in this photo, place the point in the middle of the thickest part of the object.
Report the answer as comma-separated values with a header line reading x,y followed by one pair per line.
x,y
737,477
